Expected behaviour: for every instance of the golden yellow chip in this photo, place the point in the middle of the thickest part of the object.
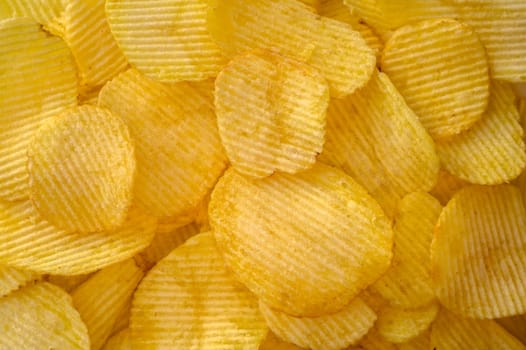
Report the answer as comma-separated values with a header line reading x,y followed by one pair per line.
x,y
46,12
478,253
272,342
190,299
515,325
123,319
12,278
119,341
305,244
37,80
328,332
41,316
421,342
89,96
293,29
271,113
81,170
447,185
373,341
493,150
68,282
407,283
440,68
29,242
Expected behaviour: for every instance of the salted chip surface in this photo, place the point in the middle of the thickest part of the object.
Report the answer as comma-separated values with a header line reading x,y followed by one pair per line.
x,y
12,278
46,12
27,241
37,80
190,300
305,244
41,316
440,68
295,30
82,167
478,252
270,113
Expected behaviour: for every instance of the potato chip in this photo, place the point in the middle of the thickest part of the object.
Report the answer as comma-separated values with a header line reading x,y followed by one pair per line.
x,y
123,319
271,113
447,185
373,341
41,316
89,96
46,12
81,170
334,331
12,278
515,325
440,68
421,342
492,151
37,80
102,298
166,40
190,300
29,242
272,342
68,282
321,240
478,253
294,30
119,341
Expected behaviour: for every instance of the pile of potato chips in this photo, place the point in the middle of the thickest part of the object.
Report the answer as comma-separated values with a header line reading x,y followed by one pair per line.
x,y
262,174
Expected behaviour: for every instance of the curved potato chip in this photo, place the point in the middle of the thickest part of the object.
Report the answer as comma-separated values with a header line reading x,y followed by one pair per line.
x,y
440,68
123,319
421,342
190,300
46,12
373,341
41,316
515,325
37,80
12,278
119,341
447,185
305,244
68,282
478,253
81,170
272,342
270,113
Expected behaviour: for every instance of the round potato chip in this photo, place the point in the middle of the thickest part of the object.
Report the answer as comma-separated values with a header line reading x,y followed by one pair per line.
x,y
12,278
81,170
305,244
271,113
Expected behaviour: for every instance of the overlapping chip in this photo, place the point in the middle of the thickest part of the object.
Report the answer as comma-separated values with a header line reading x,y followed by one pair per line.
x,y
46,12
68,282
119,341
272,342
12,278
515,325
373,341
447,185
421,342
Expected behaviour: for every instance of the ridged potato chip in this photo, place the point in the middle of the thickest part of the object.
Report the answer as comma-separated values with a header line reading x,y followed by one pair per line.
x,y
123,319
190,300
373,341
328,332
12,278
37,80
41,316
119,341
272,342
81,170
515,325
421,342
270,113
294,30
68,282
447,185
177,145
440,68
46,12
496,140
305,244
478,252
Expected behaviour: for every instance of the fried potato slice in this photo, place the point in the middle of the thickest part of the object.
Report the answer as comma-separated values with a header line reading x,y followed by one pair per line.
x,y
272,342
305,244
493,150
373,341
177,145
447,185
270,113
46,12
515,325
294,30
37,80
41,316
190,300
12,278
68,282
29,242
421,342
119,341
440,68
478,253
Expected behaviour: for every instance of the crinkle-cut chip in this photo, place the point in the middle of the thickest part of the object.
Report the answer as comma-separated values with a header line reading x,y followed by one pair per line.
x,y
81,167
37,80
167,40
305,244
493,150
102,298
119,341
407,283
89,96
398,325
440,68
68,282
451,332
377,139
123,318
94,48
328,332
373,341
515,325
421,342
12,278
272,342
29,242
447,185
177,145
41,316
190,300
293,29
270,113
46,12
478,252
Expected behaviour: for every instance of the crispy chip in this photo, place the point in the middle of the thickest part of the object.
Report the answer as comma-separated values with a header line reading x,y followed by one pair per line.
x,y
12,278
190,300
119,341
321,240
478,253
440,68
81,168
46,12
421,342
37,80
68,282
272,342
271,113
447,185
123,319
515,325
41,316
373,341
